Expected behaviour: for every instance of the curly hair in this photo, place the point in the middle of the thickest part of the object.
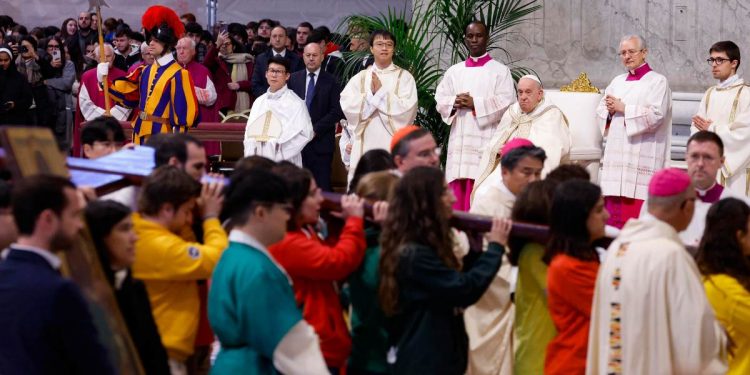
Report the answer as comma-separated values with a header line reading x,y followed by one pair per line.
x,y
720,251
416,215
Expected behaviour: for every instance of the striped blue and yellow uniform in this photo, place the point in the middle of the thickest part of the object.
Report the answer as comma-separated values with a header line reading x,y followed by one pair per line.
x,y
158,91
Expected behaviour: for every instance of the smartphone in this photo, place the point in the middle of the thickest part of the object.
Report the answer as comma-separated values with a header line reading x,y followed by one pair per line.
x,y
56,55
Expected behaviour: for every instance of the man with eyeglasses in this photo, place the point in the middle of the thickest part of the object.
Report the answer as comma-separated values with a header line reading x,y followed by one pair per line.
x,y
471,99
378,101
725,110
530,118
635,114
279,124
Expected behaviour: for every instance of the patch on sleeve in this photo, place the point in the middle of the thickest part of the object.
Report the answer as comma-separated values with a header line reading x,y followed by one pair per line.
x,y
194,252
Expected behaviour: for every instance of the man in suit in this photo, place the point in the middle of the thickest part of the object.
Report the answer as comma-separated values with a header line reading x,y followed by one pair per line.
x,y
278,48
320,90
46,324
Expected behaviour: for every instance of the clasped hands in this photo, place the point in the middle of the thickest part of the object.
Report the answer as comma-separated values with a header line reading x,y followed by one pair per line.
x,y
614,105
463,101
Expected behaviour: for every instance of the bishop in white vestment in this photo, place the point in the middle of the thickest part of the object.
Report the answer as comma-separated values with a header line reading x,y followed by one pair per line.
x,y
378,101
635,115
540,122
471,98
725,110
278,107
650,313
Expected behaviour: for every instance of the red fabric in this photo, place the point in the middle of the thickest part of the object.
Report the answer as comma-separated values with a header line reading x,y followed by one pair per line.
x,y
222,75
638,73
88,78
200,75
205,336
470,63
462,190
314,268
331,47
622,209
570,291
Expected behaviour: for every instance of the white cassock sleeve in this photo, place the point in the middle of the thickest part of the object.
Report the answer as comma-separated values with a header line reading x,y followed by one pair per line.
x,y
91,111
345,140
445,96
292,142
353,99
399,106
648,115
210,93
735,137
299,352
701,113
489,109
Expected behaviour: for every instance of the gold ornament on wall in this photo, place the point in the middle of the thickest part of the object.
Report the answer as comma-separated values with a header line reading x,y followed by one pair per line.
x,y
580,84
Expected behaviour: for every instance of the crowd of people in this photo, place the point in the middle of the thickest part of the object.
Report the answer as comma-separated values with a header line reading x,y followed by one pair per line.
x,y
646,271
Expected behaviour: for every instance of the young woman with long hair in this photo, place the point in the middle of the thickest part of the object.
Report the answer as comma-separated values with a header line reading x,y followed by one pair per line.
x,y
577,219
723,260
422,287
315,266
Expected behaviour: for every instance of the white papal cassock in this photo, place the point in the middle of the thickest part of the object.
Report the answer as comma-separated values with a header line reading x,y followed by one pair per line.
x,y
546,127
638,140
727,105
650,314
296,127
490,84
373,118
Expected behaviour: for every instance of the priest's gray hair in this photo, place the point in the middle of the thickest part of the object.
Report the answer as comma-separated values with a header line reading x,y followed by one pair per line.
x,y
670,202
641,41
189,41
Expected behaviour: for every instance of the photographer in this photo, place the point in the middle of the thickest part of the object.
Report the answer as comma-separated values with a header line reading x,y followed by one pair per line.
x,y
59,74
28,64
15,92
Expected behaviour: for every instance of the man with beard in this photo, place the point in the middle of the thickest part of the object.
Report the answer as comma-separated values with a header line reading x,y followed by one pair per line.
x,y
85,35
47,327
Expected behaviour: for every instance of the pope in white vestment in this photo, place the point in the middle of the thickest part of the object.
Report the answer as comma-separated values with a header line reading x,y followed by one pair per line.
x,y
288,109
650,313
489,84
545,126
727,107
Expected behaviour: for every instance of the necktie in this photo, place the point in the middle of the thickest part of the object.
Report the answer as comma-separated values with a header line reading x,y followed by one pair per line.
x,y
310,90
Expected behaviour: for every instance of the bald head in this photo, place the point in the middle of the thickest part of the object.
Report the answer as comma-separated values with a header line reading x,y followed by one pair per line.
x,y
109,53
185,50
313,56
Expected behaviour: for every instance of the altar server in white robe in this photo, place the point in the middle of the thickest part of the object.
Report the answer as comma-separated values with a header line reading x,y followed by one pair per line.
x,y
378,100
531,118
635,115
471,98
650,313
278,105
725,110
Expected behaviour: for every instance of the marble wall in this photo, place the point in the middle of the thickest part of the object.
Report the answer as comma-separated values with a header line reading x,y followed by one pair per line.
x,y
567,37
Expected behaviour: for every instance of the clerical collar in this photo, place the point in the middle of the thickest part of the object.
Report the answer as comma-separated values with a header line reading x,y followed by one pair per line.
x,y
728,82
277,94
51,258
638,73
476,62
164,60
711,194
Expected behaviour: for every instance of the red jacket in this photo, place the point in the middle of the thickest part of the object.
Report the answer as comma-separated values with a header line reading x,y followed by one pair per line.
x,y
314,268
221,72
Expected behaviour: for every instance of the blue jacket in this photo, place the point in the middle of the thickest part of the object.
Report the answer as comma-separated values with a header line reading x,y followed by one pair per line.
x,y
45,324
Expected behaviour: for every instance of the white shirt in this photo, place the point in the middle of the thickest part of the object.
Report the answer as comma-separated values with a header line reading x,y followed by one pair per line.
x,y
53,260
316,75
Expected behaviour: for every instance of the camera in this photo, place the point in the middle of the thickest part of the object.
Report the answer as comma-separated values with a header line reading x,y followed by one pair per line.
x,y
23,49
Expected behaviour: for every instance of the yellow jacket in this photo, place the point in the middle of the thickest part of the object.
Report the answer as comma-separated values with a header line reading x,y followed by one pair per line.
x,y
169,266
731,303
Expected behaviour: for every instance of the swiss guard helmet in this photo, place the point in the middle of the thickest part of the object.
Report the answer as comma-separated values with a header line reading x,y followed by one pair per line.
x,y
163,24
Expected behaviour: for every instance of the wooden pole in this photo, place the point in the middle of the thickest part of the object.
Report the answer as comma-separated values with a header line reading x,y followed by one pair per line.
x,y
105,83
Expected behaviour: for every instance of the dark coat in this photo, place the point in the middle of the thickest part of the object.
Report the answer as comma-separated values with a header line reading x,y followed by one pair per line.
x,y
259,84
325,113
429,331
46,324
14,88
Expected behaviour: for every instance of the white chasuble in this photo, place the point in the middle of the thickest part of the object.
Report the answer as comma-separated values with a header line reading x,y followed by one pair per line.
x,y
261,135
638,141
546,127
373,118
491,86
650,313
728,107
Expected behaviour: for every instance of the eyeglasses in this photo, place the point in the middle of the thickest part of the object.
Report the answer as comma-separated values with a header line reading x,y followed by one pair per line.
x,y
716,60
53,46
631,52
384,45
275,72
